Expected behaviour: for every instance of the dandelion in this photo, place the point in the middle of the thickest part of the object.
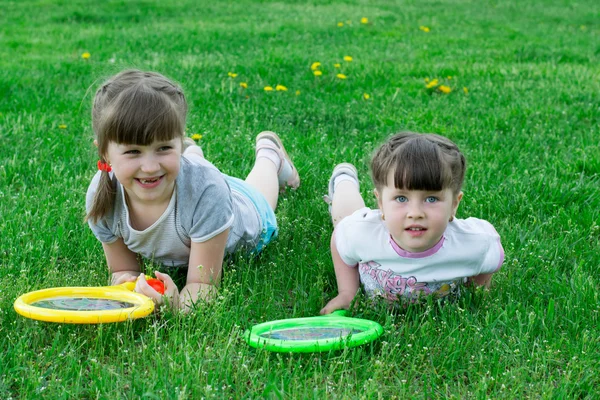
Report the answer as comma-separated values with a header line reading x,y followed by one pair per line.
x,y
280,88
232,74
62,126
341,76
449,77
465,90
424,28
297,93
444,89
268,89
366,96
340,24
347,58
196,136
317,73
426,80
244,85
315,66
364,20
337,65
432,83
86,55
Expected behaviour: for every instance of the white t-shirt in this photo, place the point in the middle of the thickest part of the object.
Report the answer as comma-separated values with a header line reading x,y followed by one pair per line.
x,y
467,248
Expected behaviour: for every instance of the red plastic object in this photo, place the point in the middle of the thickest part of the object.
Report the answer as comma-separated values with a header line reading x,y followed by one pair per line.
x,y
156,285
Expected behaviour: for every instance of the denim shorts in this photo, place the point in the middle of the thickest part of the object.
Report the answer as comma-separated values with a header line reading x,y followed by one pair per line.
x,y
265,212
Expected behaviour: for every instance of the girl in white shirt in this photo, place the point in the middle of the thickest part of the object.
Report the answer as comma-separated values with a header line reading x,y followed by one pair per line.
x,y
412,245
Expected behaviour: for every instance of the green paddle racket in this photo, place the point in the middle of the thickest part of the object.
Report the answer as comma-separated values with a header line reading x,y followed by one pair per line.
x,y
313,334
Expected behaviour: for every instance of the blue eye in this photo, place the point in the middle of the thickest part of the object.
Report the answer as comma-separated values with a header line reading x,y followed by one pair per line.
x,y
431,199
401,199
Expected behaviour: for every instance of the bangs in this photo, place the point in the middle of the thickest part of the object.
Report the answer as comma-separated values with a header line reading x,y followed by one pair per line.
x,y
419,165
140,116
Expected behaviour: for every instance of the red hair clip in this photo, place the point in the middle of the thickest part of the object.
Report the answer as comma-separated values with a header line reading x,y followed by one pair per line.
x,y
104,166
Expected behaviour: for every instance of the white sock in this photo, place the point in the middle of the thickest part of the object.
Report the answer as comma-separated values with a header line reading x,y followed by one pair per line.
x,y
271,155
342,178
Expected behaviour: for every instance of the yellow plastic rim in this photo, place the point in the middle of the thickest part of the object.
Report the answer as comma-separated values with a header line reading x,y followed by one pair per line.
x,y
142,305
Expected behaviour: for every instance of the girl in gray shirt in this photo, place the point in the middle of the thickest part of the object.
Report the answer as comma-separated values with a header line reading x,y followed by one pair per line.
x,y
156,196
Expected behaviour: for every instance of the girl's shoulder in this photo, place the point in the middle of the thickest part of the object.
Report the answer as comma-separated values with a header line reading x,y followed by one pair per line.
x,y
365,220
198,177
472,226
365,215
201,184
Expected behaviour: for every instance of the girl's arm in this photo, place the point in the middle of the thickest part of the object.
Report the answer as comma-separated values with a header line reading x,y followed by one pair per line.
x,y
481,280
122,262
204,270
348,282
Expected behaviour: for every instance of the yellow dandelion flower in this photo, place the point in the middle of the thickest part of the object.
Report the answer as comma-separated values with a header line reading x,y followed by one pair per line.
x,y
62,126
280,88
366,96
317,73
86,55
337,65
449,77
268,89
297,93
244,85
196,136
364,20
465,90
315,66
341,76
426,80
424,28
340,24
432,83
444,89
348,58
232,74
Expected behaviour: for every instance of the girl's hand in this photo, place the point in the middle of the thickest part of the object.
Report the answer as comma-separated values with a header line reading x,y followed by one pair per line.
x,y
341,301
171,294
123,276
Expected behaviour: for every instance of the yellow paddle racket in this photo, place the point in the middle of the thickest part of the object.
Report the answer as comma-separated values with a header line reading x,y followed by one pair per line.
x,y
85,305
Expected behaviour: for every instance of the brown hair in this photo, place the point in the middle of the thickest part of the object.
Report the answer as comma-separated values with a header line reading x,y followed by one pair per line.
x,y
133,107
420,162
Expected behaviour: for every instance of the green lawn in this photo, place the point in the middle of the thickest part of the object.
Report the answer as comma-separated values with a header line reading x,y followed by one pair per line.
x,y
524,107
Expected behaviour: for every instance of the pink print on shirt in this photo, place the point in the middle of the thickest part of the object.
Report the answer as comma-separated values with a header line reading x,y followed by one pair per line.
x,y
393,285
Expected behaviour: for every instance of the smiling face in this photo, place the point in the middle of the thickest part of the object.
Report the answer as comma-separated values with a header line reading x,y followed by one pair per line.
x,y
416,219
147,173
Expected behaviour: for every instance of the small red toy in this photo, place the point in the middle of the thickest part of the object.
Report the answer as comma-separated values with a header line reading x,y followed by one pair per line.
x,y
156,285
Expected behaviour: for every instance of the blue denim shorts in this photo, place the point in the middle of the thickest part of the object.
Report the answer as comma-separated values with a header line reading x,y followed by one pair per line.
x,y
265,212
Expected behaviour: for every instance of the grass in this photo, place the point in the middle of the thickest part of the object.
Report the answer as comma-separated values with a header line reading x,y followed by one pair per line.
x,y
528,126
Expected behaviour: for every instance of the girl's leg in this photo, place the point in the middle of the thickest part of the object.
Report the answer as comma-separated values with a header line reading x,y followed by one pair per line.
x,y
190,147
264,178
273,169
344,192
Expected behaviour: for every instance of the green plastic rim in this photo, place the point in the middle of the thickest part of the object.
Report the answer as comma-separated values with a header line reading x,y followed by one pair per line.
x,y
352,332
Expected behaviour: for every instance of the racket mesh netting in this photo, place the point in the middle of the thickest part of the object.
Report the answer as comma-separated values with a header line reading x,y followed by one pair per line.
x,y
81,304
312,333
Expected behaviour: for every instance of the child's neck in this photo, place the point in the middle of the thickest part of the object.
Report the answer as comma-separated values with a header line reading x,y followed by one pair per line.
x,y
144,215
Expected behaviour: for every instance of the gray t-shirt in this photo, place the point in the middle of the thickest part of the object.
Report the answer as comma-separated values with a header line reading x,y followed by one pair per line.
x,y
202,206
